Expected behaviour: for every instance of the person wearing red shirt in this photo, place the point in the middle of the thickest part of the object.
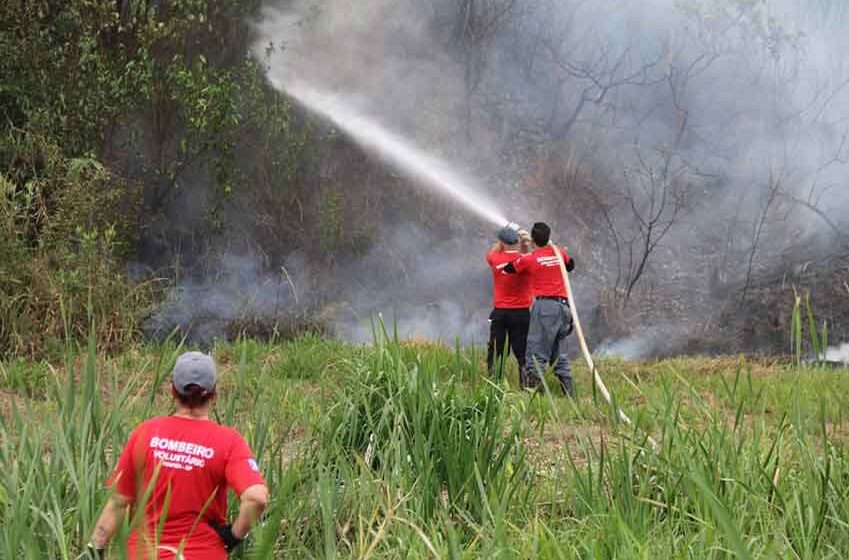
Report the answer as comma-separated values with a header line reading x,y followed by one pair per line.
x,y
511,299
550,318
179,469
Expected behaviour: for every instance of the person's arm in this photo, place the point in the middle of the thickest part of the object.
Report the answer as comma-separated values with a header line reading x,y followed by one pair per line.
x,y
520,265
568,260
525,239
243,476
252,502
123,484
108,522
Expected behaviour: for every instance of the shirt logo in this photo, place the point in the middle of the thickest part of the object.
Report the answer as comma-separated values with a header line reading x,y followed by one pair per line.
x,y
253,465
548,261
180,455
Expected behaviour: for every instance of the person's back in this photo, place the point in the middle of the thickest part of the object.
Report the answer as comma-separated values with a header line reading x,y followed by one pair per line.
x,y
543,267
510,291
179,469
191,463
550,319
510,302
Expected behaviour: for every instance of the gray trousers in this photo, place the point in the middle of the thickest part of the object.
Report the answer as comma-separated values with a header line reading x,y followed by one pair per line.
x,y
550,322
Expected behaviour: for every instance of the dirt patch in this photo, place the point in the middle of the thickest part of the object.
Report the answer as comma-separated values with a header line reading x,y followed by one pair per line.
x,y
293,446
6,399
547,452
837,433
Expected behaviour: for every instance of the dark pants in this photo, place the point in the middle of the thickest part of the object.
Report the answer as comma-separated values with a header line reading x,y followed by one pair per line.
x,y
507,324
550,323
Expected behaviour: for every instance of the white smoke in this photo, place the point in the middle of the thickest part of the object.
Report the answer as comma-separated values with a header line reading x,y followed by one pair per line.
x,y
640,346
761,86
838,354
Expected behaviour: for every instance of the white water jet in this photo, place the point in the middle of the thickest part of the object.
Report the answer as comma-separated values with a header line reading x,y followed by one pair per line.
x,y
426,169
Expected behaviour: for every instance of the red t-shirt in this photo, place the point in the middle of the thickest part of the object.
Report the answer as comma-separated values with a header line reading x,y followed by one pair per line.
x,y
197,461
543,269
510,291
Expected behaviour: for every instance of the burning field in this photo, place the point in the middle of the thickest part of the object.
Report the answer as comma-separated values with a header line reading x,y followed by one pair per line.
x,y
273,180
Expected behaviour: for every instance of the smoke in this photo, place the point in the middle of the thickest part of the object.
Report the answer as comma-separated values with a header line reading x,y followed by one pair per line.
x,y
426,287
713,135
731,114
637,347
237,288
838,354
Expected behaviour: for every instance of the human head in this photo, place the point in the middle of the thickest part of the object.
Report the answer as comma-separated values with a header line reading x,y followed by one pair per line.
x,y
194,379
508,235
540,233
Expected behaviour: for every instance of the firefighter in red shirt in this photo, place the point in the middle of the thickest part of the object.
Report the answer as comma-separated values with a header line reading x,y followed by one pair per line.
x,y
550,318
511,299
179,468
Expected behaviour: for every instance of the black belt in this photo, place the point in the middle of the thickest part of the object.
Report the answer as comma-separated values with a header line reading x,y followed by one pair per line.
x,y
561,299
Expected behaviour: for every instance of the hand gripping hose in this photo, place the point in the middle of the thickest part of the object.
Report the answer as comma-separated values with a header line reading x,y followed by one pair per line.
x,y
579,334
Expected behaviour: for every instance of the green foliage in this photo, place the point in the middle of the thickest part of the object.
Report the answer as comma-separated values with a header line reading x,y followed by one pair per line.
x,y
66,225
451,451
26,378
405,451
105,108
332,227
813,339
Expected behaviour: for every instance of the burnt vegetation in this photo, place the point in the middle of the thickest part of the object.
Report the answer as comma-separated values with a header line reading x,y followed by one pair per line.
x,y
693,158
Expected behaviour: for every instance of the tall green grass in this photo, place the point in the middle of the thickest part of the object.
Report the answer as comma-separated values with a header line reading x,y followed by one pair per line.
x,y
806,336
396,450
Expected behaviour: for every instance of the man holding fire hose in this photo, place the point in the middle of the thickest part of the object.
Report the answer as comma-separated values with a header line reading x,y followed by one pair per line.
x,y
550,318
511,298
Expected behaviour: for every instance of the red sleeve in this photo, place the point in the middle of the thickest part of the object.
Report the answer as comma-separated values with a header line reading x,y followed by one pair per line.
x,y
242,470
524,262
489,258
123,479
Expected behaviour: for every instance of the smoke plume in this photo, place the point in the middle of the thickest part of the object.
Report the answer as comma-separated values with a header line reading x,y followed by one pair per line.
x,y
692,156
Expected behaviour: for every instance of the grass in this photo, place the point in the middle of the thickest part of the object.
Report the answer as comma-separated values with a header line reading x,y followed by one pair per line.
x,y
405,450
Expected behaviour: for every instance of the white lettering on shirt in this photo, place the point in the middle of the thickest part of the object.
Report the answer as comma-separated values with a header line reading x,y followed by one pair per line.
x,y
181,455
548,261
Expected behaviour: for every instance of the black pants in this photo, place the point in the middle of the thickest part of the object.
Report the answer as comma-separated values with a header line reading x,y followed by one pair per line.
x,y
507,324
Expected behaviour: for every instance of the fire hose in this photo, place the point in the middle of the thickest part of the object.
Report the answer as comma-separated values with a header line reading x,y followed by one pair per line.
x,y
582,342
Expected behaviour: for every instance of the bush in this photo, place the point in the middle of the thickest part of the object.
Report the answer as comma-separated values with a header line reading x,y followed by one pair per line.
x,y
66,227
456,451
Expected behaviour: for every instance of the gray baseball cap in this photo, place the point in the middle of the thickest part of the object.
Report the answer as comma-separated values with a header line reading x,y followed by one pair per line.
x,y
508,235
194,368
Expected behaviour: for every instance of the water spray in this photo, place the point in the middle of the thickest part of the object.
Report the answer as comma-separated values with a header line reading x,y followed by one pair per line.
x,y
395,150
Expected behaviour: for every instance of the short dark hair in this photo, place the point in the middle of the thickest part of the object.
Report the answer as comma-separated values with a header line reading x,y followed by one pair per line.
x,y
541,233
195,397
